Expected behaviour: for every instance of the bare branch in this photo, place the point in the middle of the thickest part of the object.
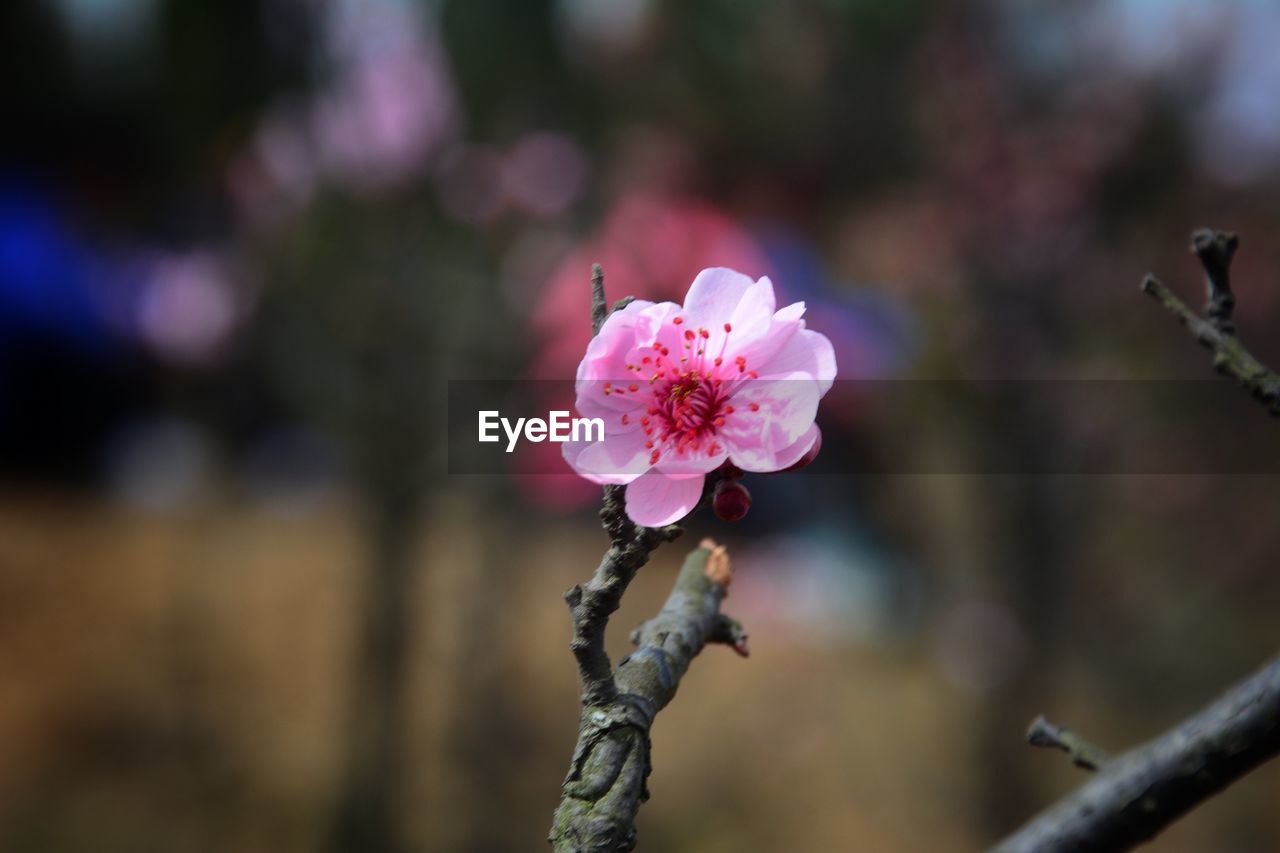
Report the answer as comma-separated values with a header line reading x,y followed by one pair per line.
x,y
1136,795
1215,250
607,778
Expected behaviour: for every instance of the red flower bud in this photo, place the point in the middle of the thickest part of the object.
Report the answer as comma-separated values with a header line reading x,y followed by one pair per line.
x,y
731,500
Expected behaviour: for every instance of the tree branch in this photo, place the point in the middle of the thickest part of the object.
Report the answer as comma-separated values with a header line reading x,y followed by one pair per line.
x,y
1136,795
1215,249
610,767
591,604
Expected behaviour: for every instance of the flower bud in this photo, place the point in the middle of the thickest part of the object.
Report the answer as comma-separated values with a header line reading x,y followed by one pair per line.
x,y
731,500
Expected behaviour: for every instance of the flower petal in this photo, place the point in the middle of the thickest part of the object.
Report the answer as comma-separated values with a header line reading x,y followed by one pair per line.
x,y
607,355
805,352
692,463
721,296
654,500
788,456
785,408
760,343
716,294
620,458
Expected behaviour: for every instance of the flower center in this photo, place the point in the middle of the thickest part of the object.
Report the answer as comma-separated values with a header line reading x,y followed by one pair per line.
x,y
690,392
685,413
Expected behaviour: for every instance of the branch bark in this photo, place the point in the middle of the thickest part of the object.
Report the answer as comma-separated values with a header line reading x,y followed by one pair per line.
x,y
608,775
1136,795
610,767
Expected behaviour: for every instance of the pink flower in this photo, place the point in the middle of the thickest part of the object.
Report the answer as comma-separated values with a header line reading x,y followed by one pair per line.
x,y
653,241
684,389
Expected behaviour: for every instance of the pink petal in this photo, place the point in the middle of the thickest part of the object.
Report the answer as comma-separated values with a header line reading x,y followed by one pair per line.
x,y
592,402
692,464
620,458
654,500
806,352
717,292
718,296
655,326
786,408
607,354
762,343
788,456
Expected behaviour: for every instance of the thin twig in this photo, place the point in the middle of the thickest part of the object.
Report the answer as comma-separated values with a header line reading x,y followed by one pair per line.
x,y
1083,753
599,305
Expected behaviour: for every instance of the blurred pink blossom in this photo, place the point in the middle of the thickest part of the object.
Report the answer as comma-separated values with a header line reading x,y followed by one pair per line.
x,y
544,173
648,244
388,108
392,101
187,308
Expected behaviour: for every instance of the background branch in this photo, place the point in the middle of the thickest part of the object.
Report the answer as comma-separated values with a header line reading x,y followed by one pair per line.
x,y
1138,794
1215,249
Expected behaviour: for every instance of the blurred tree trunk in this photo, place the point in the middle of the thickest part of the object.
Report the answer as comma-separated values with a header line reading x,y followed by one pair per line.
x,y
1029,550
366,808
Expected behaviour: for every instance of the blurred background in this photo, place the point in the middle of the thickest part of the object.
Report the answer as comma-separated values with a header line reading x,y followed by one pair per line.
x,y
244,246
